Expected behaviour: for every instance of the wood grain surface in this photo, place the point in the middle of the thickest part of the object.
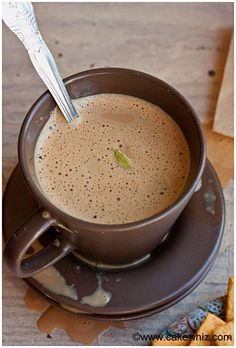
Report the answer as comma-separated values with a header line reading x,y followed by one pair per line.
x,y
185,44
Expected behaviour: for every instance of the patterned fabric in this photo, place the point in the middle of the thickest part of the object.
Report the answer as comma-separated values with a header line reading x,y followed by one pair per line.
x,y
190,323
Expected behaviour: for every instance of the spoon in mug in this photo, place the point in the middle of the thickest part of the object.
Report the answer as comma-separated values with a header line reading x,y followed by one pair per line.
x,y
20,18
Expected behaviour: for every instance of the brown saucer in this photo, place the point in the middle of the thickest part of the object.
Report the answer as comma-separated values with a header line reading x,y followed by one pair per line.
x,y
174,270
126,317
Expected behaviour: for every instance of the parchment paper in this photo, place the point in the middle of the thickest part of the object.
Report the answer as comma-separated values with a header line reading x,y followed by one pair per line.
x,y
224,116
220,152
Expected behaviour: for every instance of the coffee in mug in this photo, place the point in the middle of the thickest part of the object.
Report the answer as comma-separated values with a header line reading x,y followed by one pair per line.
x,y
122,161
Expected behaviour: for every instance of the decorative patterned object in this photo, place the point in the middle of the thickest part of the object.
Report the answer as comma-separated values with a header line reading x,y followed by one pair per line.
x,y
196,317
190,323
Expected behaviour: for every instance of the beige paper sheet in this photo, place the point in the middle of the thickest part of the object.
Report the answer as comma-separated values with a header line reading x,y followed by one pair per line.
x,y
224,116
220,152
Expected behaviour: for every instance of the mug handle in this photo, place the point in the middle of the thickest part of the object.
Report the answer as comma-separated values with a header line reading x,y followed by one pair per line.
x,y
20,241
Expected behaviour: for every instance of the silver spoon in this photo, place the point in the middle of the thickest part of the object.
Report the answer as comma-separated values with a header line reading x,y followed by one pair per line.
x,y
20,18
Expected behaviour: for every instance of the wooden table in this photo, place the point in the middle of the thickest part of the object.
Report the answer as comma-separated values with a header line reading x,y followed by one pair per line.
x,y
183,43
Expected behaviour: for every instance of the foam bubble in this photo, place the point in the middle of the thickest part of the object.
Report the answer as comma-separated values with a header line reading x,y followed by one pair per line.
x,y
77,171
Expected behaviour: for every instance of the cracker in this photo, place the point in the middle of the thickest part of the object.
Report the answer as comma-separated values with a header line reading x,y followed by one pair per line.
x,y
224,334
205,331
230,300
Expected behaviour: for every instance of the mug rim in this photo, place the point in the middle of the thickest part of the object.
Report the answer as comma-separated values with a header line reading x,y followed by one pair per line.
x,y
61,215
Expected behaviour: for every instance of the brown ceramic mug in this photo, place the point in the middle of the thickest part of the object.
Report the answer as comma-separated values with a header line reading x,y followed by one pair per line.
x,y
114,245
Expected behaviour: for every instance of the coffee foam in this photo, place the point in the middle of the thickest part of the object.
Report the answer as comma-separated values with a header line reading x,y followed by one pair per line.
x,y
76,167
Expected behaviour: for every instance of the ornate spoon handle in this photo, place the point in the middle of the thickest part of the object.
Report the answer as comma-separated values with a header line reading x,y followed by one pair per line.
x,y
20,18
